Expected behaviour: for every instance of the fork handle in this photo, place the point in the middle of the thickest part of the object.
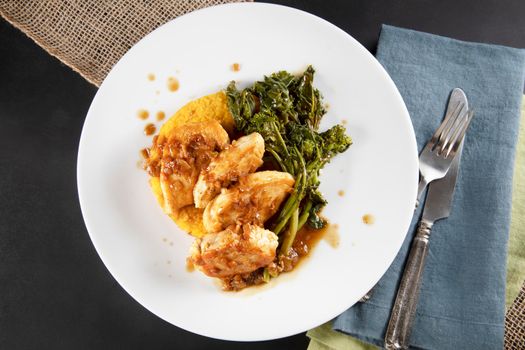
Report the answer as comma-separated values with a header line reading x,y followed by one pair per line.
x,y
404,310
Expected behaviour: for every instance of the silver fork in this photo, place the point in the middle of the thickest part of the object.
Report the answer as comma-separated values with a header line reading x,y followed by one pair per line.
x,y
440,150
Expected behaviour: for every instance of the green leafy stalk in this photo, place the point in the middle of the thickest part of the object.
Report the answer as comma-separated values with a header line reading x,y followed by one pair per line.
x,y
305,213
266,275
290,234
291,204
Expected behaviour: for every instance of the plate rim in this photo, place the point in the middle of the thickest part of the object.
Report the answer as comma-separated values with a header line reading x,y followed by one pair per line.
x,y
82,142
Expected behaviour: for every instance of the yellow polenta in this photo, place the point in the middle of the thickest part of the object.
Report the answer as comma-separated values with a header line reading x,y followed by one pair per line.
x,y
214,106
210,107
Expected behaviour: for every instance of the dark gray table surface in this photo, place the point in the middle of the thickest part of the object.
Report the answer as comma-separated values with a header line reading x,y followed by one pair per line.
x,y
55,293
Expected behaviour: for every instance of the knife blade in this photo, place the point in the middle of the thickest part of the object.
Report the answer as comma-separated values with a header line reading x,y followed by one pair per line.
x,y
441,193
437,206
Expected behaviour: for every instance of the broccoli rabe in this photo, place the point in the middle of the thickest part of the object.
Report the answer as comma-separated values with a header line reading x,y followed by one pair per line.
x,y
287,110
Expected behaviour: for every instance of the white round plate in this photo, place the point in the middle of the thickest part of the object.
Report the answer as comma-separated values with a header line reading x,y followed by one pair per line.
x,y
145,251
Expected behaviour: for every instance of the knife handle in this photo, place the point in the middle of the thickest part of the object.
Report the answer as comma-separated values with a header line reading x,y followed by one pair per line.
x,y
368,295
404,310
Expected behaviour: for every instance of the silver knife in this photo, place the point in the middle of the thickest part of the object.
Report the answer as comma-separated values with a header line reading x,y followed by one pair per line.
x,y
456,96
437,206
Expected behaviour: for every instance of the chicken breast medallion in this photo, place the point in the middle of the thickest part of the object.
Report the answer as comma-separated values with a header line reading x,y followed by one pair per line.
x,y
188,150
243,157
253,200
236,250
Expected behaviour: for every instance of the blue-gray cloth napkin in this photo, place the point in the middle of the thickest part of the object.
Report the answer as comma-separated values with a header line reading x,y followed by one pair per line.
x,y
462,300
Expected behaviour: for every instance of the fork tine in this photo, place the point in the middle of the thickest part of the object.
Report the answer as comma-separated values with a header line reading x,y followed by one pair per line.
x,y
448,130
437,135
457,141
439,130
454,137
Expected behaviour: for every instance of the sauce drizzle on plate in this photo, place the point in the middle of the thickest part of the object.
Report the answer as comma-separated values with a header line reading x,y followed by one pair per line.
x,y
173,84
142,114
368,219
160,115
149,129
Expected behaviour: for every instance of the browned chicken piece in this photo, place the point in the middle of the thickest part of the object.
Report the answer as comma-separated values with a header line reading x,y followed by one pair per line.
x,y
253,200
236,250
243,157
188,150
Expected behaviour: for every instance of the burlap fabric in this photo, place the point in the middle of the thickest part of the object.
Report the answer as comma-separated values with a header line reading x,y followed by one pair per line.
x,y
515,323
90,36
